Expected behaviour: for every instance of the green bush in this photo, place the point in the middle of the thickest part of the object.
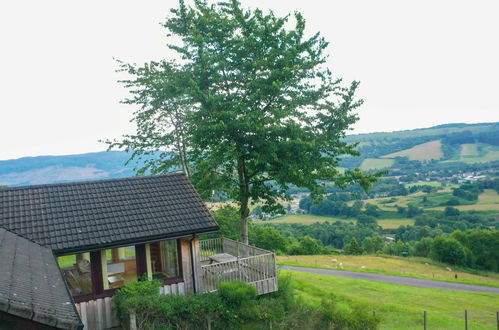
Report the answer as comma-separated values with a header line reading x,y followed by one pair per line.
x,y
236,306
236,293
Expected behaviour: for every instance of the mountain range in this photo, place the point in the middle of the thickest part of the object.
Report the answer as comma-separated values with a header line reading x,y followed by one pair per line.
x,y
449,143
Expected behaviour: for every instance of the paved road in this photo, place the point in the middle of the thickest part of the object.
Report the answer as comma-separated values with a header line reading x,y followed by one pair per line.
x,y
396,279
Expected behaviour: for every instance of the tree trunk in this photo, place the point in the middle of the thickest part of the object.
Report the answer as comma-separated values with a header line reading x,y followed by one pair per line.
x,y
243,199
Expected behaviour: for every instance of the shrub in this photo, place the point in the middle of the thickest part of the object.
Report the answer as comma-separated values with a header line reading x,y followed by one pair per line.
x,y
237,306
448,250
235,294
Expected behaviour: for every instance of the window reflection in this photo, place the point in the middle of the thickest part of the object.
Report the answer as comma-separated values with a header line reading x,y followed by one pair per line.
x,y
165,259
77,272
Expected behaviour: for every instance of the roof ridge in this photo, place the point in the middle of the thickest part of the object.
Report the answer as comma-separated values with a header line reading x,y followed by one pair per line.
x,y
138,177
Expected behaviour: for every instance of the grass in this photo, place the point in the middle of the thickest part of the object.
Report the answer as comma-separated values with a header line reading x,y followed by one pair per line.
x,y
430,183
487,201
425,151
307,219
469,149
395,223
489,196
410,267
400,306
481,154
376,164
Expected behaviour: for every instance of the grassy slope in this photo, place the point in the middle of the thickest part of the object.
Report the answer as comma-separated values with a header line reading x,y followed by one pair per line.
x,y
376,164
411,267
425,151
307,219
487,201
476,153
469,149
400,306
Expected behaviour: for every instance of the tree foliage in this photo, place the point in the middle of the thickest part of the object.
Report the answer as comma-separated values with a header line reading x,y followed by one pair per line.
x,y
258,110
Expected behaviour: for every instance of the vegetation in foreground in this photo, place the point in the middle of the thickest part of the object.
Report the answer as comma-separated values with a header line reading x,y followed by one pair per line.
x,y
410,266
401,306
237,306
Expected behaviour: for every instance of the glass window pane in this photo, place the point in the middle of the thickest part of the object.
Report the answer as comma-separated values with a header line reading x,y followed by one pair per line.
x,y
165,259
170,256
121,266
77,272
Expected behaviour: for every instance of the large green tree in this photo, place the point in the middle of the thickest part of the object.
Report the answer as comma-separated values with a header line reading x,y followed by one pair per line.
x,y
262,110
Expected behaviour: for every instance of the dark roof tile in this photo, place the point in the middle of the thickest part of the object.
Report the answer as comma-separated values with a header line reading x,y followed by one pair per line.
x,y
31,285
68,217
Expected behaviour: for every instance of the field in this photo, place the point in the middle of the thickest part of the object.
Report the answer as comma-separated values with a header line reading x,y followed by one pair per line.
x,y
400,306
307,219
425,151
487,201
376,164
430,183
476,153
469,149
395,223
412,267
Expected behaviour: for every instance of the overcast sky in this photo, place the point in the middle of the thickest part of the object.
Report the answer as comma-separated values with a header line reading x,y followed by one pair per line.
x,y
420,63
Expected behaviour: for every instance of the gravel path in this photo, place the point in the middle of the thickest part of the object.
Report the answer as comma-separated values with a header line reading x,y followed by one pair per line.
x,y
431,284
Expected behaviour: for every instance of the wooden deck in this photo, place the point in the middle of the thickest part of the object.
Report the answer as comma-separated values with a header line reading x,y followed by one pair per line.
x,y
248,264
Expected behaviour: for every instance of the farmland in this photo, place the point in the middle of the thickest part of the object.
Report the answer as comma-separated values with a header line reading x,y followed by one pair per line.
x,y
376,164
425,151
307,219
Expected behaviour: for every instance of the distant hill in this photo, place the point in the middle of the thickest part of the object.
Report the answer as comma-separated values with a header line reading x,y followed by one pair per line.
x,y
467,143
52,169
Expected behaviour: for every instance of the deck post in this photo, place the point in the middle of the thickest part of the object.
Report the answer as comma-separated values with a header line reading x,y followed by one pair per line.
x,y
133,321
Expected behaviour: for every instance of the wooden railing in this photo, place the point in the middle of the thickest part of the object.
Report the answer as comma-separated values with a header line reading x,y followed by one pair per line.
x,y
253,265
218,245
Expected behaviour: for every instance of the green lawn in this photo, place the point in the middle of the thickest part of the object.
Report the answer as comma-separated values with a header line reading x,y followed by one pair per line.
x,y
400,306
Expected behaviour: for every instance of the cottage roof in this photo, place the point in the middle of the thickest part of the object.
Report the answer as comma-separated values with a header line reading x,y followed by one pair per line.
x,y
77,216
31,285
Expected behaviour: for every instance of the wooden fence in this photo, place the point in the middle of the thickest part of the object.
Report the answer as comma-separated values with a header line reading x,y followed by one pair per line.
x,y
101,314
258,270
213,246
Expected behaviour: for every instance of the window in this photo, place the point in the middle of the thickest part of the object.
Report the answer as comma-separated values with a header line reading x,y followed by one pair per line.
x,y
120,267
165,259
77,272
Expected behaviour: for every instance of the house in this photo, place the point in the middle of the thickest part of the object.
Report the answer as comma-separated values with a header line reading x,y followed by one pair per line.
x,y
104,234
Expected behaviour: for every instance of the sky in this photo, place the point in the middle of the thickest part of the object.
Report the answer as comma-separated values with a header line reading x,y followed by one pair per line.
x,y
420,64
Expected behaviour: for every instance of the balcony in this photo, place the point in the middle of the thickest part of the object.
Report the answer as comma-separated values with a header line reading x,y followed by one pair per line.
x,y
224,260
